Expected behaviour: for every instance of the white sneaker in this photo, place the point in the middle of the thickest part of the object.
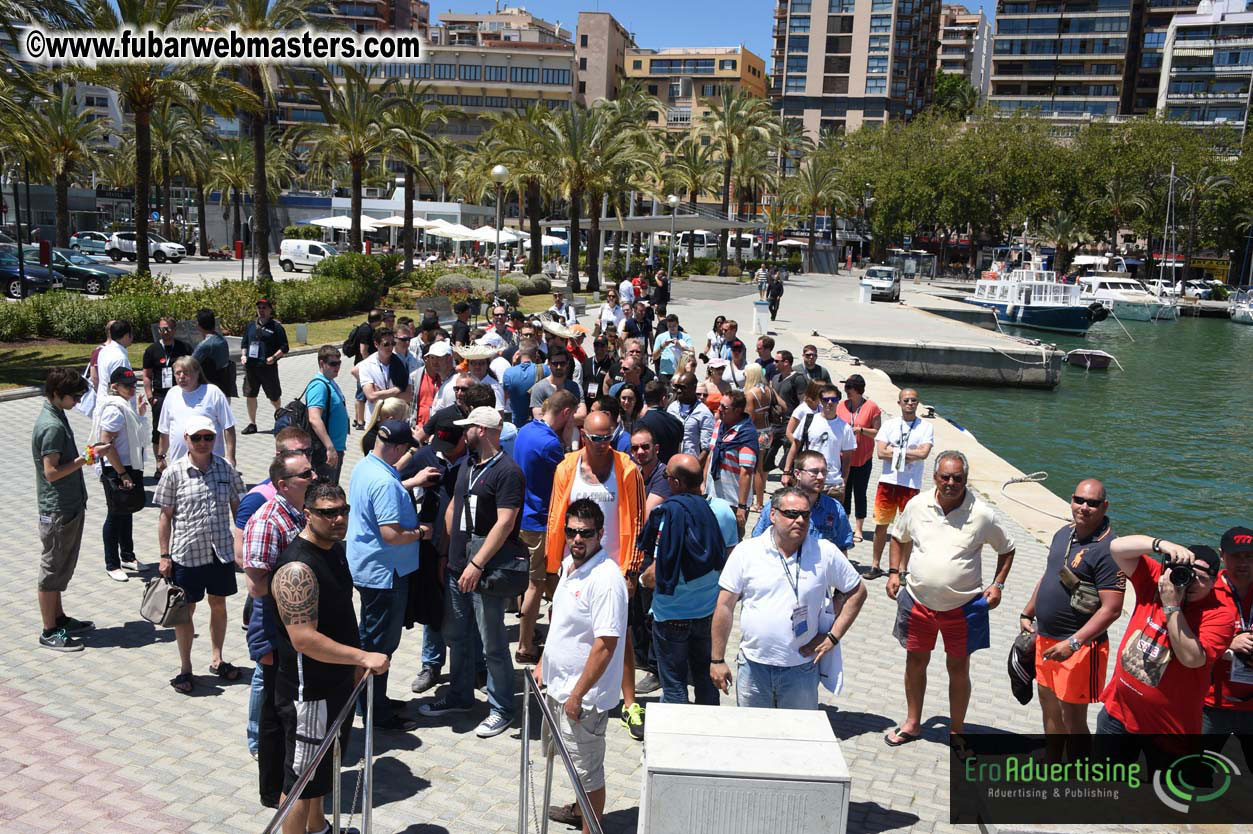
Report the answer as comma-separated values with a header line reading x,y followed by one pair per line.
x,y
118,575
493,725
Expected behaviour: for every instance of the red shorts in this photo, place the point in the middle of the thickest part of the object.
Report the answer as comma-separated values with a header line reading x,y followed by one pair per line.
x,y
1079,678
965,629
890,499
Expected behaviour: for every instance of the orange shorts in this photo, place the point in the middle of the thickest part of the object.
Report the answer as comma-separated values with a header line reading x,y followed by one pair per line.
x,y
890,499
1079,678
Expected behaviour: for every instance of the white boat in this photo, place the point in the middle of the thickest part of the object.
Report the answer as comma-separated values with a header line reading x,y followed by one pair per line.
x,y
1126,298
1033,297
1241,308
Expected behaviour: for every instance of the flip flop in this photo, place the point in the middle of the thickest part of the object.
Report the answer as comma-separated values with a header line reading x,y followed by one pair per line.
x,y
875,573
183,683
226,671
858,538
902,738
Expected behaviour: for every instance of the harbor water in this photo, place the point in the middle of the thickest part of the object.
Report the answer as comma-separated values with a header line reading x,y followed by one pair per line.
x,y
1170,434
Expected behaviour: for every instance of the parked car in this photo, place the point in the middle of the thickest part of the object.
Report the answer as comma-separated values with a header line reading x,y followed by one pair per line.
x,y
122,245
90,242
1162,288
884,282
38,278
294,254
1193,288
82,273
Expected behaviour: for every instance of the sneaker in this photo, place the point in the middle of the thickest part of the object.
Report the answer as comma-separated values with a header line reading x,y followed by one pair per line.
x,y
567,814
251,428
117,575
633,720
397,724
444,706
73,626
59,641
493,725
647,684
425,679
132,564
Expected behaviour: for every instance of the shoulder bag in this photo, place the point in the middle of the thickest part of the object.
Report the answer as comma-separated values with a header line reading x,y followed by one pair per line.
x,y
117,498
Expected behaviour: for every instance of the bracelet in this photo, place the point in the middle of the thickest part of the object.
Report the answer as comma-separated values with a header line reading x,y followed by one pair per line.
x,y
1000,586
835,641
715,661
480,570
1025,616
1171,609
1157,545
165,555
894,571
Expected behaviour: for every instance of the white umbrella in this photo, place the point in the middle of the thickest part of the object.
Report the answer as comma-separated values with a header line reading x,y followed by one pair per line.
x,y
344,222
792,242
487,234
452,231
398,220
544,240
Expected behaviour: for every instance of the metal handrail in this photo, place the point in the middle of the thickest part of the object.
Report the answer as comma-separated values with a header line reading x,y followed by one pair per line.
x,y
580,795
332,741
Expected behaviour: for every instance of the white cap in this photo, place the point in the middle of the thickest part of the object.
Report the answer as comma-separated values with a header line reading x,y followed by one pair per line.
x,y
440,348
198,423
484,417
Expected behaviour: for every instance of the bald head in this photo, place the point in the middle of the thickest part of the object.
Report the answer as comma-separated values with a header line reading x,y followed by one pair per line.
x,y
685,387
1091,488
1088,506
686,472
598,422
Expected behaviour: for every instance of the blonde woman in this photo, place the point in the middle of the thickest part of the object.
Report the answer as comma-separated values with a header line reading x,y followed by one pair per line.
x,y
392,408
758,398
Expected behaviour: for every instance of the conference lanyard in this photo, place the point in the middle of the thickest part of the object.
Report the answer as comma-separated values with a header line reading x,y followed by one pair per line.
x,y
1244,623
471,499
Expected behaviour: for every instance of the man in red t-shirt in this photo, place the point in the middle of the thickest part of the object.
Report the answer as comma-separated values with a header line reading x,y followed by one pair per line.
x,y
1229,704
1176,633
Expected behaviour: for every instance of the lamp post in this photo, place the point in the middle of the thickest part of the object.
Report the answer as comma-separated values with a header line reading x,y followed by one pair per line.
x,y
499,174
673,202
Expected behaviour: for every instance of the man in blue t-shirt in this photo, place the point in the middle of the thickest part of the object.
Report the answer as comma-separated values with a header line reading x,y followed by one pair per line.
x,y
827,519
519,380
538,450
328,414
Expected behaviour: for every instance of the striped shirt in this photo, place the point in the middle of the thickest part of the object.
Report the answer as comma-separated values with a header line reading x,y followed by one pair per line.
x,y
270,530
204,503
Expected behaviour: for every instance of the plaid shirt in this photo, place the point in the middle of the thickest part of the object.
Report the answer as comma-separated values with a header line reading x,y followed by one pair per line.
x,y
269,531
203,505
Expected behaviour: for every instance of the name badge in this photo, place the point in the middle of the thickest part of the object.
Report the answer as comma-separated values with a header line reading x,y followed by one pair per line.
x,y
800,620
472,506
167,377
593,389
254,350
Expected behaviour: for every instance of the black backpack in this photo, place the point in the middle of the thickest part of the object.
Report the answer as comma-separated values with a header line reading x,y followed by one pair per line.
x,y
350,345
296,413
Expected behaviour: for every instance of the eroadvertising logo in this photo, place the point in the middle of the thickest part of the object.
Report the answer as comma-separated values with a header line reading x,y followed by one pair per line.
x,y
1175,791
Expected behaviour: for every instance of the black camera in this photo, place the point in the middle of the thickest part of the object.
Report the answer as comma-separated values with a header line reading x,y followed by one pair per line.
x,y
1181,576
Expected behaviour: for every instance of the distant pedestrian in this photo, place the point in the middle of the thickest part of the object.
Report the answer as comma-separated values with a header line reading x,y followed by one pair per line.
x,y
158,372
195,398
461,326
774,295
361,344
328,415
810,367
698,421
610,316
113,355
61,499
264,343
520,378
729,470
866,420
117,424
827,433
903,444
669,347
660,291
937,545
198,495
763,281
562,311
827,519
383,375
213,354
560,365
665,427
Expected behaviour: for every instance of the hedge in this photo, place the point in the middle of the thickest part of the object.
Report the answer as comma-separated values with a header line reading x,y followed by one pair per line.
x,y
309,232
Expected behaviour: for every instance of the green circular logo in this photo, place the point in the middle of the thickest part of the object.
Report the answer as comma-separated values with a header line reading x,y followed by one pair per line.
x,y
1213,771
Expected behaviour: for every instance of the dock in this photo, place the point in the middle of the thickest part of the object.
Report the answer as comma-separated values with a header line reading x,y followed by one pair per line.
x,y
1204,309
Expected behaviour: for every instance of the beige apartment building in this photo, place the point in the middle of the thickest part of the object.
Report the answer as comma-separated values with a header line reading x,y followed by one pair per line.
x,y
686,78
966,46
842,64
601,44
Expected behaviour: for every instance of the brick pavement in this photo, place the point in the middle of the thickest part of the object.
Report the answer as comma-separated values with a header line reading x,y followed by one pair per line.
x,y
98,741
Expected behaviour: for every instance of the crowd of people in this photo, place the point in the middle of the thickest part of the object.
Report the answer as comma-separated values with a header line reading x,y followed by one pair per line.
x,y
511,464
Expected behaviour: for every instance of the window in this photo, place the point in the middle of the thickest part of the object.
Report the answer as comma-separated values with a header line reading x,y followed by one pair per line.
x,y
881,23
421,70
637,65
798,44
673,90
493,72
880,5
800,6
447,99
708,90
835,84
841,45
444,71
471,101
496,101
837,64
556,76
523,103
797,63
524,75
652,89
469,72
879,43
876,85
726,64
877,65
840,25
842,6
795,84
681,66
582,86
798,24
583,40
582,63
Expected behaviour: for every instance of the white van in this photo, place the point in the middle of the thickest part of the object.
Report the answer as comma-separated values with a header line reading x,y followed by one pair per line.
x,y
293,255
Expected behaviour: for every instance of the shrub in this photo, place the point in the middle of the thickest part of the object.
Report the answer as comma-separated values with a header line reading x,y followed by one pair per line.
x,y
390,266
353,266
484,288
18,322
734,271
142,282
542,284
302,232
312,300
451,284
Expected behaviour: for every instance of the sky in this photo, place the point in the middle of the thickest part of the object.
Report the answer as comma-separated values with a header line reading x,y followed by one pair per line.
x,y
663,23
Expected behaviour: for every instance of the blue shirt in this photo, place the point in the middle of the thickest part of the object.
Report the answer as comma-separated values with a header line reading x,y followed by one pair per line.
x,y
251,502
667,363
377,498
827,520
537,451
517,384
335,415
694,600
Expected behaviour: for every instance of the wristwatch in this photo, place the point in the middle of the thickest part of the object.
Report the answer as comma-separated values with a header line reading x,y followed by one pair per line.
x,y
1000,586
1170,609
1074,643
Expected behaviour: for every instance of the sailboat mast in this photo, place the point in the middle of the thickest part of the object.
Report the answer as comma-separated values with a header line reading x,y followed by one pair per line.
x,y
1166,243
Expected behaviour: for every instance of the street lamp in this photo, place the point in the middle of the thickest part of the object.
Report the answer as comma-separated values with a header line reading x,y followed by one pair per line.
x,y
673,202
499,174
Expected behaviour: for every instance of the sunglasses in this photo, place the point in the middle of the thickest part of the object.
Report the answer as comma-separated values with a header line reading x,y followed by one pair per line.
x,y
598,438
308,474
821,473
560,364
1091,502
910,400
809,356
387,344
460,389
639,447
830,399
330,512
404,338
954,478
582,533
334,363
794,514
202,438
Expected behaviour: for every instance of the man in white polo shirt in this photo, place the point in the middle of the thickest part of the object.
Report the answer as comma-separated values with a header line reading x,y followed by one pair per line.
x,y
783,577
902,444
582,660
945,593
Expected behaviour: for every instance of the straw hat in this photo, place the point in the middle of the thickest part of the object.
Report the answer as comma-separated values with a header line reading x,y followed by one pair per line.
x,y
558,329
471,352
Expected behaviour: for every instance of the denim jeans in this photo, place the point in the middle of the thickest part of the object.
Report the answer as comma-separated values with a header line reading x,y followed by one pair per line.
x,y
435,650
463,616
779,687
683,652
255,696
382,619
118,540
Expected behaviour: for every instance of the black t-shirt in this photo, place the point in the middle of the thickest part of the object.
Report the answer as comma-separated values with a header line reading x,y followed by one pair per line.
x,y
270,338
158,357
768,369
1091,561
639,330
667,431
362,335
498,485
816,373
460,332
301,675
598,376
791,389
657,483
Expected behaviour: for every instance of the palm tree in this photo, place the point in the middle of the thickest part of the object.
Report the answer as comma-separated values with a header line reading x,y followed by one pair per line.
x,y
812,188
116,167
194,161
414,139
232,174
752,176
790,142
568,145
1065,231
1198,190
734,120
955,95
169,132
1121,201
695,170
354,130
520,138
775,220
64,148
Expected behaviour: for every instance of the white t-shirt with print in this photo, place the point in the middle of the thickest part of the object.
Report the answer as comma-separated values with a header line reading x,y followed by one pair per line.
x,y
914,435
830,437
606,497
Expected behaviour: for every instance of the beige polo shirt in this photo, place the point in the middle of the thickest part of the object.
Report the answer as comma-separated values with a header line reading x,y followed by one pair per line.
x,y
946,565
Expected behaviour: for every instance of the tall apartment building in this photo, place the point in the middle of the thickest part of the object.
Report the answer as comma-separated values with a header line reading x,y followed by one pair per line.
x,y
1150,37
840,64
600,47
966,46
686,79
1208,66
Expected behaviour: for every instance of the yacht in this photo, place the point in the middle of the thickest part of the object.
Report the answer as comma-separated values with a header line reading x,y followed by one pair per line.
x,y
1126,298
1032,297
1241,308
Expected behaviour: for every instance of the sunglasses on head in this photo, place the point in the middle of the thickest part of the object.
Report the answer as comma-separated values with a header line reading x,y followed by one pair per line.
x,y
307,474
1091,502
201,438
307,452
794,514
330,512
581,532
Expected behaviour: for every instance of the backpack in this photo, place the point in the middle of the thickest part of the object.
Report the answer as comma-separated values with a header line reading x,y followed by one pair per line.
x,y
296,413
349,347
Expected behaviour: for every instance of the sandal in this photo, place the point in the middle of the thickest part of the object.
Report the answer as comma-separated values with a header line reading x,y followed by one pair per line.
x,y
875,573
901,738
226,671
756,508
858,538
183,683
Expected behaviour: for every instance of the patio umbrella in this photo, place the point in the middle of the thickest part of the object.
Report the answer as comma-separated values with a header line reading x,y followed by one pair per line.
x,y
793,242
344,222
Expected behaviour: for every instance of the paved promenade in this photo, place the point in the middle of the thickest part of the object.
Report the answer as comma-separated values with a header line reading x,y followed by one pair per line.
x,y
98,742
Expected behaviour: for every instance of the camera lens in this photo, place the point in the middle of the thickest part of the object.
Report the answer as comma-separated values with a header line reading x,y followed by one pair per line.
x,y
1181,576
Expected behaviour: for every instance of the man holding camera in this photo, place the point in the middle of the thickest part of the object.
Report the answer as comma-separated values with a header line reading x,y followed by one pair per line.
x,y
1229,703
1176,633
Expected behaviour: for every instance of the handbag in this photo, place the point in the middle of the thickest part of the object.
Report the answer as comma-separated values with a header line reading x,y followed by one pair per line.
x,y
118,498
164,603
506,575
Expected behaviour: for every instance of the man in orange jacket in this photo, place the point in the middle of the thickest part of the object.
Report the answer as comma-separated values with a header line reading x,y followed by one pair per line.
x,y
613,481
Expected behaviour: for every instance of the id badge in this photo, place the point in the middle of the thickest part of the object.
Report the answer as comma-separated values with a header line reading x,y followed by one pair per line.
x,y
898,460
593,390
254,350
472,506
1241,672
167,377
800,620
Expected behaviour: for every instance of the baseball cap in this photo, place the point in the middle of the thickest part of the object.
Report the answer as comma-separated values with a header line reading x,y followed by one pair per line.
x,y
443,429
125,375
440,348
736,344
199,423
483,417
716,363
396,432
264,301
1238,540
1207,558
461,307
